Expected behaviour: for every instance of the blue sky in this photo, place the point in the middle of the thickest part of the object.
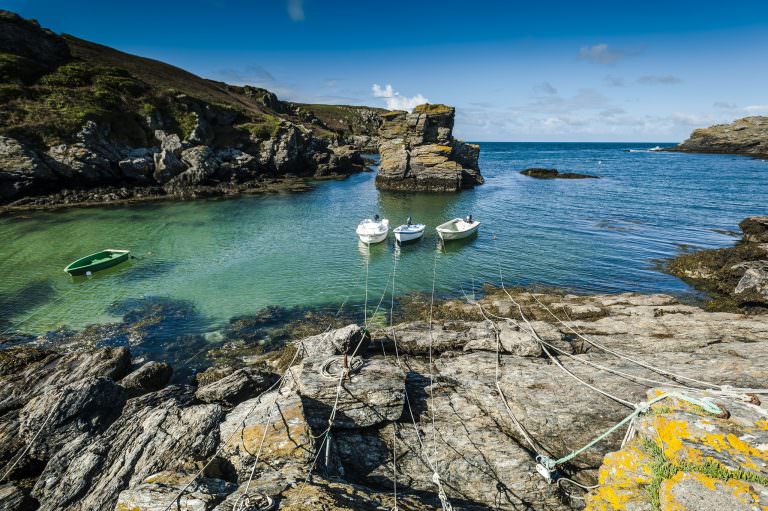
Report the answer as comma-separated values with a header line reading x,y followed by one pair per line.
x,y
541,71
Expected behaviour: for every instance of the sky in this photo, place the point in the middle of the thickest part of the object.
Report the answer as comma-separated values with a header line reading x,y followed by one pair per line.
x,y
515,71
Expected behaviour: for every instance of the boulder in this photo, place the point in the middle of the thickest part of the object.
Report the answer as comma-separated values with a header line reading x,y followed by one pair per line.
x,y
236,387
80,164
753,285
149,377
755,229
139,168
158,431
418,152
21,170
371,395
169,142
161,489
335,342
202,165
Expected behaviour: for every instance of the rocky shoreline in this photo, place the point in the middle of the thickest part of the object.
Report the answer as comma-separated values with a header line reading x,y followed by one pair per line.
x,y
736,277
116,435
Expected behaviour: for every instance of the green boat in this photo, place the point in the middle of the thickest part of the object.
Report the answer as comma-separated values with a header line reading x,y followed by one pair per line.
x,y
98,261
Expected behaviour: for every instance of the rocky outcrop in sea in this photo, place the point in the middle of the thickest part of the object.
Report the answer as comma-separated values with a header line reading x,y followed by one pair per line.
x,y
430,408
747,136
418,152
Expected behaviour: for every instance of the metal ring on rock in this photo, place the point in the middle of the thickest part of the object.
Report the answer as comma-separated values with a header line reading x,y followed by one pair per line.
x,y
257,502
355,364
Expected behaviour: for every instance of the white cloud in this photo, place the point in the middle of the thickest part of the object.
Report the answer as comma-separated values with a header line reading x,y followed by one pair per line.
x,y
295,9
756,109
394,100
659,80
601,54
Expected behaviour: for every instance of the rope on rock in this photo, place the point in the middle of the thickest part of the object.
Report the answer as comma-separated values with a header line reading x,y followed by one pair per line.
x,y
351,366
710,407
29,445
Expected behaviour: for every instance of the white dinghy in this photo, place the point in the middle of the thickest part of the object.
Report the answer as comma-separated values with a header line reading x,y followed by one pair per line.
x,y
458,228
373,230
409,231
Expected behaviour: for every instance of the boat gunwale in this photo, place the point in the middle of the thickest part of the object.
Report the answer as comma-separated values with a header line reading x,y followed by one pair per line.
x,y
78,263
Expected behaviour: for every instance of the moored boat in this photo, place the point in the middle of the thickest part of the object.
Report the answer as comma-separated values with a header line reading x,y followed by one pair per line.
x,y
373,230
409,231
98,261
457,228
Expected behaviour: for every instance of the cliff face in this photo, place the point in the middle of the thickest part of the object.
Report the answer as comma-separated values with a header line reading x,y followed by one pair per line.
x,y
748,136
75,115
418,152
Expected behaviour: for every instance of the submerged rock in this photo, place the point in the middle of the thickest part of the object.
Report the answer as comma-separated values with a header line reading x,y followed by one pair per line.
x,y
418,152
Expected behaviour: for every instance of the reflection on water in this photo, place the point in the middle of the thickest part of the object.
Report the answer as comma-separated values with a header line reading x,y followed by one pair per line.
x,y
228,258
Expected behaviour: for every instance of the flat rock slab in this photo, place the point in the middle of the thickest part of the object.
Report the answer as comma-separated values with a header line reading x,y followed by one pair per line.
x,y
374,394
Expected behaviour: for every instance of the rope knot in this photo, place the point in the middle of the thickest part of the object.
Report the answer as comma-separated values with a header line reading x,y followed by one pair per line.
x,y
642,407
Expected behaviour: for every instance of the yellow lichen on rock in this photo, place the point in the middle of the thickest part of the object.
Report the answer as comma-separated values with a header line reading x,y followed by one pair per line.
x,y
685,459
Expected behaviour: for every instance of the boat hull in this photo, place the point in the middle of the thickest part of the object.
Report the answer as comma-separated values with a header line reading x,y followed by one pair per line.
x,y
370,239
448,234
98,261
404,235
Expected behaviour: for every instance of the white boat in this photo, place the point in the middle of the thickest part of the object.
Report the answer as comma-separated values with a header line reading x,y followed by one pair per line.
x,y
457,229
373,230
409,232
656,149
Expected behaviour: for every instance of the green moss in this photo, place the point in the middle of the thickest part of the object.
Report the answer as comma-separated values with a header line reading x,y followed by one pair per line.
x,y
433,109
663,469
72,74
184,122
264,129
10,91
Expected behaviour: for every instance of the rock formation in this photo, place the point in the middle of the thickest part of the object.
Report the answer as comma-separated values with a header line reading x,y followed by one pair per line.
x,y
418,152
77,116
736,276
114,443
748,136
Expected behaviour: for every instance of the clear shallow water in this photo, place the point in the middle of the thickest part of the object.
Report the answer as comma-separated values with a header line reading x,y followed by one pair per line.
x,y
233,257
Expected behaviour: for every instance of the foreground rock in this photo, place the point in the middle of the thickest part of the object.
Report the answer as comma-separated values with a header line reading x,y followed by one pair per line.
x,y
541,173
415,419
418,152
747,136
737,277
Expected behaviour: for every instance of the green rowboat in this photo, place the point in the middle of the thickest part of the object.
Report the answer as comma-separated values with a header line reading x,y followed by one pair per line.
x,y
98,261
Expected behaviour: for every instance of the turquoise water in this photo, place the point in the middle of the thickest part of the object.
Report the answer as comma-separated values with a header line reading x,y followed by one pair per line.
x,y
233,257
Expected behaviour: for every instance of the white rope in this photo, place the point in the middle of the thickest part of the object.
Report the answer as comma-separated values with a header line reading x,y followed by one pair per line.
x,y
29,445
